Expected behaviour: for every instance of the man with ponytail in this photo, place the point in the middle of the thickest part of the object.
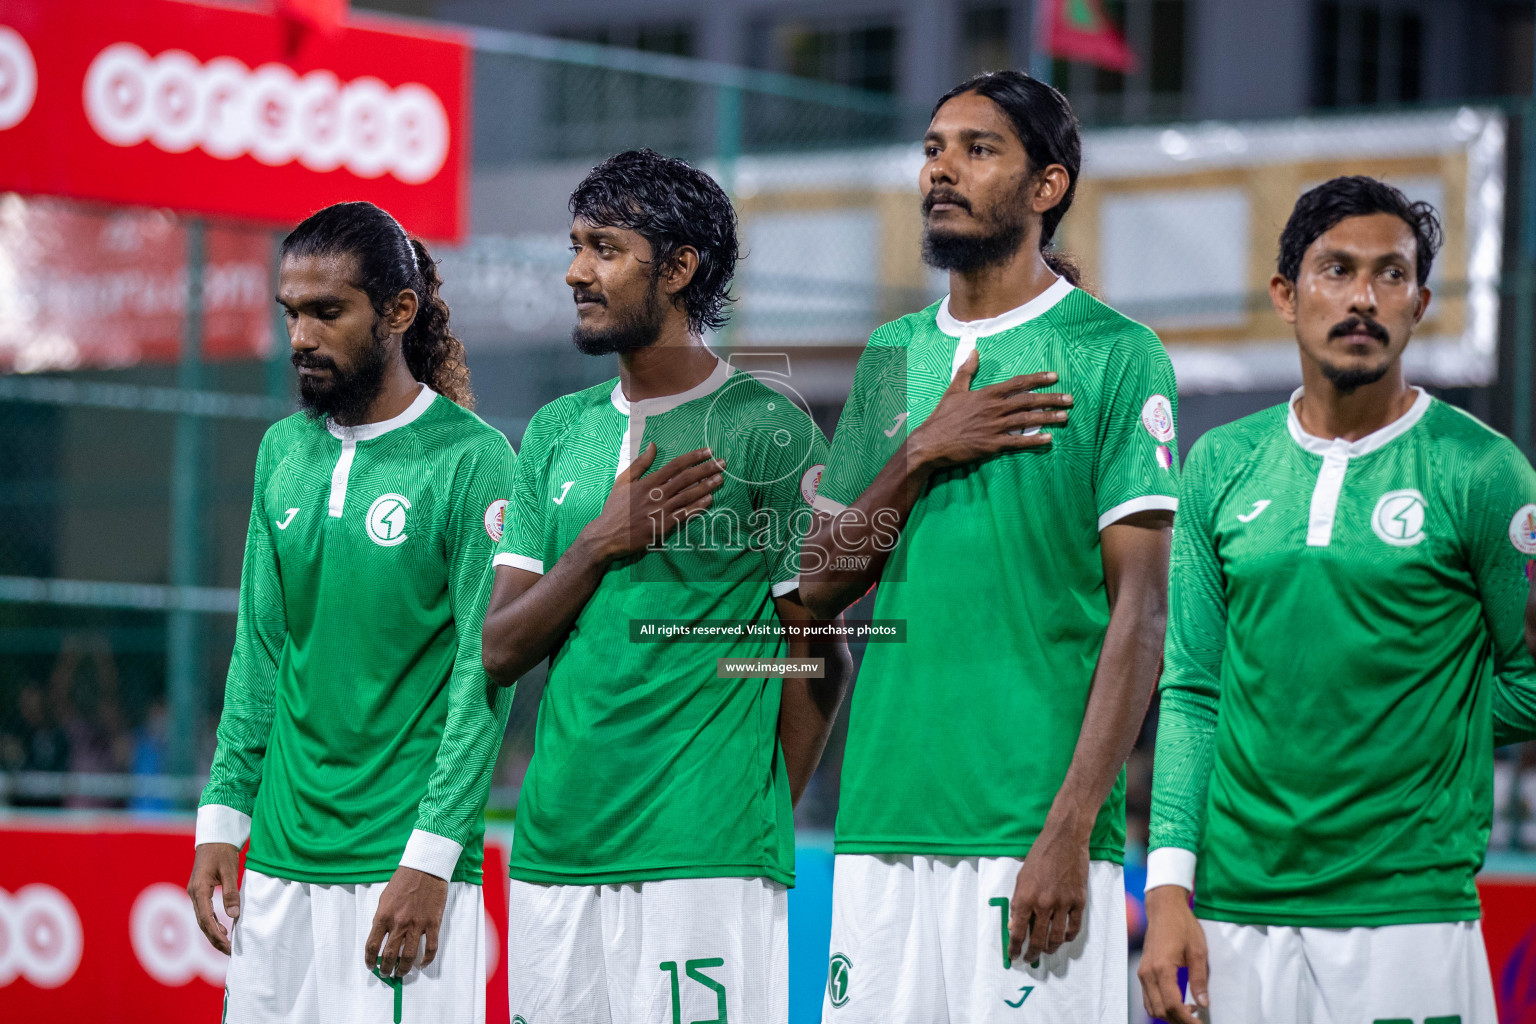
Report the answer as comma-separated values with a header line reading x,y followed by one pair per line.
x,y
1023,538
359,729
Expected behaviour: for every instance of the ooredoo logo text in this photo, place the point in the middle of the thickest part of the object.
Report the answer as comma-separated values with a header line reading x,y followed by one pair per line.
x,y
40,936
227,110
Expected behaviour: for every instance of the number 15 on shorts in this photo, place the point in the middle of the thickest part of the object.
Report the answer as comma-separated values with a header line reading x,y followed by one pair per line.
x,y
694,969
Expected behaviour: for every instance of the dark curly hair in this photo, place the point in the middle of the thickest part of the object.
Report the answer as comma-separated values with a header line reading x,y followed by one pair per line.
x,y
1321,208
388,262
1044,122
670,204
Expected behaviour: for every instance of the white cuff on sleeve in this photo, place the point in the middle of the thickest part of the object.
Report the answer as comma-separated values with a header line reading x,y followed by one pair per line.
x,y
1145,503
519,562
217,823
1171,865
788,586
432,853
822,503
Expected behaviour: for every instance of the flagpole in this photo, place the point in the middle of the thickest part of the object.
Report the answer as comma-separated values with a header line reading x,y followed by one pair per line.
x,y
1040,39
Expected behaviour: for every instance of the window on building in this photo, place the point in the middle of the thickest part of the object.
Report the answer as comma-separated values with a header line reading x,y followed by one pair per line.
x,y
1515,34
675,38
1156,33
984,41
598,110
1366,54
860,54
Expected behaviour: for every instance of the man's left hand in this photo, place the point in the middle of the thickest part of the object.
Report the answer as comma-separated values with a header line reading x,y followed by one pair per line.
x,y
411,907
1050,894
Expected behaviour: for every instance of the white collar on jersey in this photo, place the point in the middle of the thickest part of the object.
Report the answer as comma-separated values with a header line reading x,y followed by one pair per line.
x,y
666,403
369,431
1003,321
1369,443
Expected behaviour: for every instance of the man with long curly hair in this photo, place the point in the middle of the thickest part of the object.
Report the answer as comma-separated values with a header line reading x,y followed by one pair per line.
x,y
359,730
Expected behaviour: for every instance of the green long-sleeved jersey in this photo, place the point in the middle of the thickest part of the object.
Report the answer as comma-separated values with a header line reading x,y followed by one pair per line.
x,y
357,717
1345,647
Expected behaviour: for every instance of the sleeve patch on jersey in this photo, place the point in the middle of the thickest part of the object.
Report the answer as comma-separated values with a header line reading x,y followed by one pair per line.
x,y
810,481
1522,530
1157,417
496,518
1165,456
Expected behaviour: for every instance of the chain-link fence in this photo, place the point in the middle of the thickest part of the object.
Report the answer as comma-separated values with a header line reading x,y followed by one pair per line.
x,y
129,438
145,363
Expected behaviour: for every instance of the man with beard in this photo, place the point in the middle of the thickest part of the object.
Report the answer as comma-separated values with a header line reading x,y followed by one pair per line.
x,y
655,836
1344,651
981,828
359,730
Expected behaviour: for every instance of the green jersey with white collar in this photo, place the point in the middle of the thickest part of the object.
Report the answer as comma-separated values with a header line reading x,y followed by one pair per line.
x,y
645,764
1345,646
359,729
960,738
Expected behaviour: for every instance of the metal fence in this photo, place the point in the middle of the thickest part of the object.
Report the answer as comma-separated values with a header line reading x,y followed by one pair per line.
x,y
125,472
125,489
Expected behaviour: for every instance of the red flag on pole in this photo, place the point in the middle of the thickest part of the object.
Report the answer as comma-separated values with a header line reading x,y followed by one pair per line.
x,y
1078,30
325,16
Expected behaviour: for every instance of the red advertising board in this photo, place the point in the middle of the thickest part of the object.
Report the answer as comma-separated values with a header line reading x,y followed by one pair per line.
x,y
90,287
95,925
232,111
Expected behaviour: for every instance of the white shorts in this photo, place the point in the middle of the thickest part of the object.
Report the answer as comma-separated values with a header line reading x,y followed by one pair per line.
x,y
677,949
921,940
298,959
1423,973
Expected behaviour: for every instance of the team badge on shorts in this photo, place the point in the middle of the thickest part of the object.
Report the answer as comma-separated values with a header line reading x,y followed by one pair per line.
x,y
496,518
1522,530
1157,417
837,978
810,481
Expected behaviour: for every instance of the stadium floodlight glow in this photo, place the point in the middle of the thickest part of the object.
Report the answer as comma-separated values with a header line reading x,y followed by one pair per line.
x,y
271,114
18,78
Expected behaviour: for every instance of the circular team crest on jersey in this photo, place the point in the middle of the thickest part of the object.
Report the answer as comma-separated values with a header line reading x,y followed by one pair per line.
x,y
810,481
1157,417
1399,518
837,978
496,518
386,519
1522,530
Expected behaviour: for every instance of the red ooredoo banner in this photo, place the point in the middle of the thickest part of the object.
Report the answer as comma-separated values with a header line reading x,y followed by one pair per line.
x,y
85,287
95,925
232,111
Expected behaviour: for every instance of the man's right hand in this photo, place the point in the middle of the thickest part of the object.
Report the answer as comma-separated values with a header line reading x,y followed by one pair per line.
x,y
643,510
1174,939
217,866
968,425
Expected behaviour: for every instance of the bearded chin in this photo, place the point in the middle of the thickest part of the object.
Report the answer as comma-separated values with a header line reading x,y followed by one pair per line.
x,y
638,328
348,395
966,254
1347,382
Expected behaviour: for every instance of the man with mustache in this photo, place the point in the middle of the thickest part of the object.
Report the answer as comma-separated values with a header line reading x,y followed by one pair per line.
x,y
981,827
1344,651
359,731
655,831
